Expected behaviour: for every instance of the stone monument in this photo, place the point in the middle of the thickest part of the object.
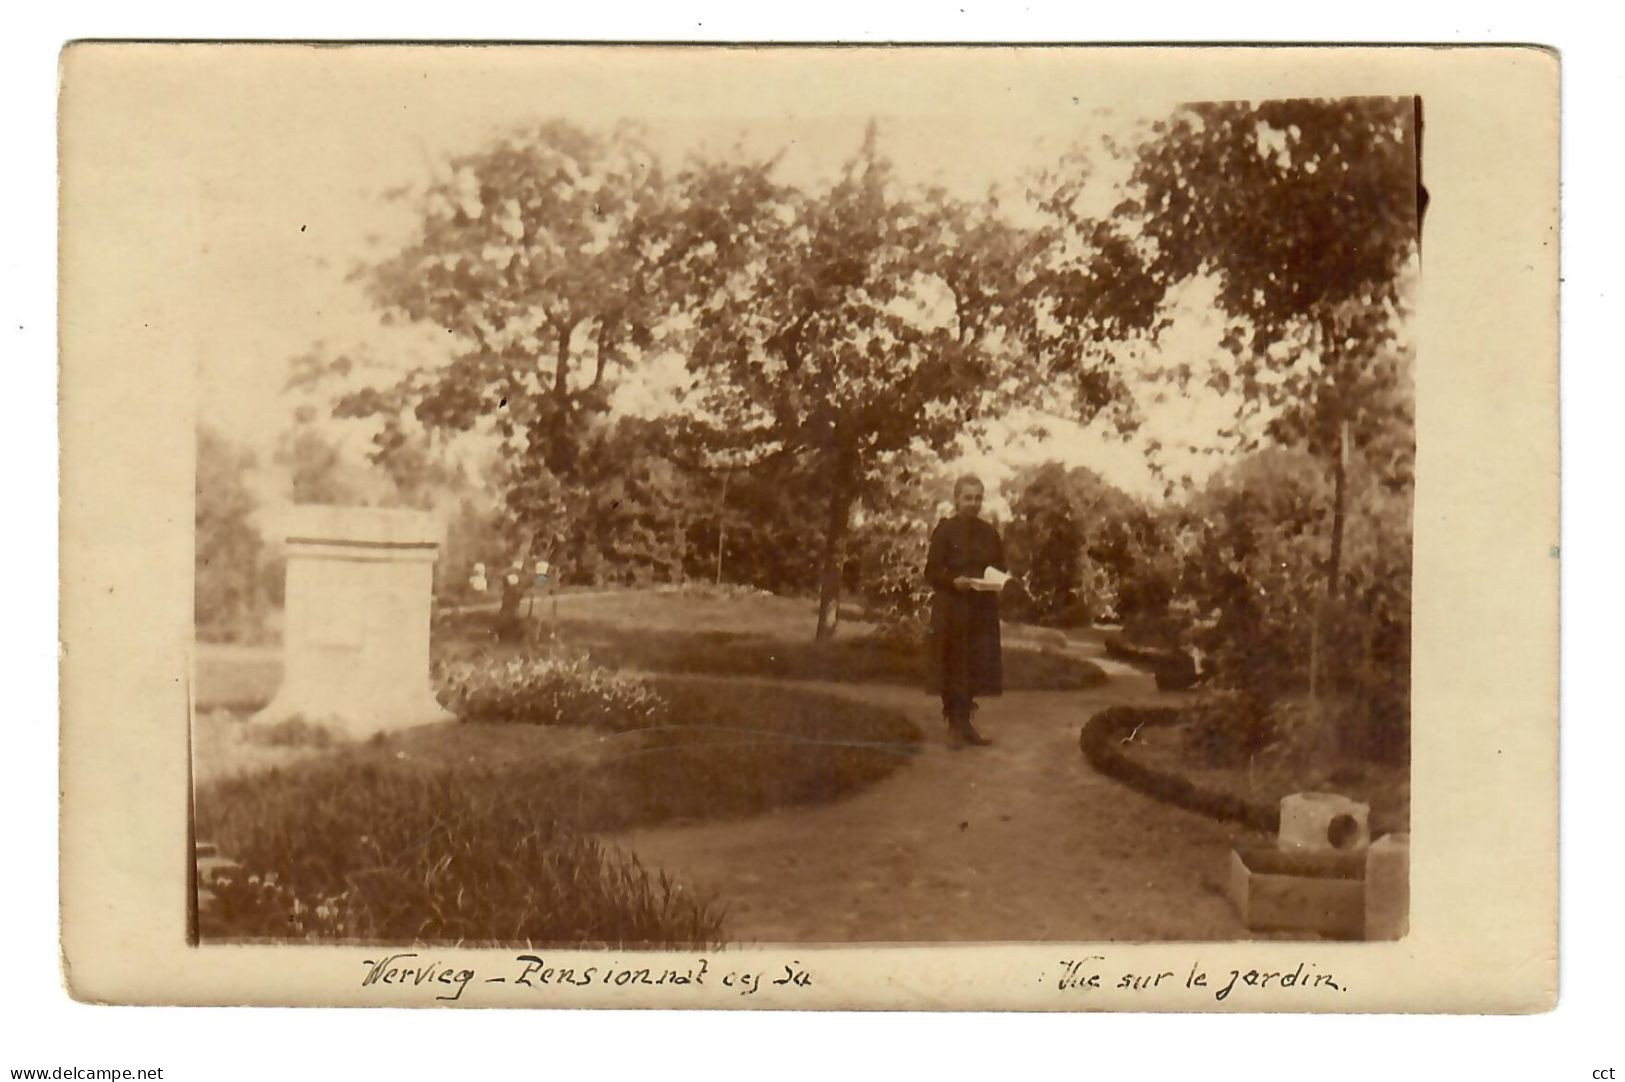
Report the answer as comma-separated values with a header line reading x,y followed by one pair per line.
x,y
356,629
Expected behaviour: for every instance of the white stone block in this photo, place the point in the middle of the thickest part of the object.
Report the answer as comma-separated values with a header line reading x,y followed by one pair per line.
x,y
356,629
1323,821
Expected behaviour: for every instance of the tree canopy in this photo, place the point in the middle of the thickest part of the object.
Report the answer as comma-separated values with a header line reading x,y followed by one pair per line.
x,y
539,255
866,321
1306,213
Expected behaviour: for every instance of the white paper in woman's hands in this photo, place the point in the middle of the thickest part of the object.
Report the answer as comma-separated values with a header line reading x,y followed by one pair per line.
x,y
992,579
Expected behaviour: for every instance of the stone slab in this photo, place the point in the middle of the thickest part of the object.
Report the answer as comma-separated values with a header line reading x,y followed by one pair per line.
x,y
1322,893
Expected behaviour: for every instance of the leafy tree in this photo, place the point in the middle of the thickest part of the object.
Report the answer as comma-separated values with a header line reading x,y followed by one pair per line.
x,y
640,507
227,602
1080,542
758,525
863,323
1251,544
1306,214
890,541
1045,541
317,470
1250,549
540,256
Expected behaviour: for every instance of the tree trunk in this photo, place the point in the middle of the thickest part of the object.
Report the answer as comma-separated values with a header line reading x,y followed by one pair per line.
x,y
559,451
1334,572
679,564
1330,738
509,626
829,579
722,523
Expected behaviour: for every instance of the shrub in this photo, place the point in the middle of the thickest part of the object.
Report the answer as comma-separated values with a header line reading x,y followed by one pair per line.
x,y
1229,727
555,689
295,732
1253,550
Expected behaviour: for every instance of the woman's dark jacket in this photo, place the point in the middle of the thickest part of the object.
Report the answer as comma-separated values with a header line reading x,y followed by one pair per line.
x,y
963,647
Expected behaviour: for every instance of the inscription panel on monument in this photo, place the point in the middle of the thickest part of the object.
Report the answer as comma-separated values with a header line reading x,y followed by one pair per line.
x,y
340,620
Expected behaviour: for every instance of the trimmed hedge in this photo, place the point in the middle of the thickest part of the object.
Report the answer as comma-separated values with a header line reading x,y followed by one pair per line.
x,y
1174,669
1101,740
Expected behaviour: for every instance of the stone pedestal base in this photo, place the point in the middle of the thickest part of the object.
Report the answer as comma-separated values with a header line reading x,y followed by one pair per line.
x,y
356,634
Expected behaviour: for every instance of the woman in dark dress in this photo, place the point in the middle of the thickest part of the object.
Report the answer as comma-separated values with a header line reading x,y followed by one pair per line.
x,y
964,654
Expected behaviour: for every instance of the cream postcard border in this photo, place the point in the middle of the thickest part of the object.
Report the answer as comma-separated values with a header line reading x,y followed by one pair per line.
x,y
1484,814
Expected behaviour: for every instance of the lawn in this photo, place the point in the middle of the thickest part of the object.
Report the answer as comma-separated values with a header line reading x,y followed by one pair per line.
x,y
483,831
486,830
698,631
734,633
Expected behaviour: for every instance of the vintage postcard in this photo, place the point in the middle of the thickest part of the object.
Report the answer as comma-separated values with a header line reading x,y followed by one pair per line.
x,y
944,528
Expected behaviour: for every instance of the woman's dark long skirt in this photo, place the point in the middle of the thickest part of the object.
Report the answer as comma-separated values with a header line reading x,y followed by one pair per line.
x,y
962,651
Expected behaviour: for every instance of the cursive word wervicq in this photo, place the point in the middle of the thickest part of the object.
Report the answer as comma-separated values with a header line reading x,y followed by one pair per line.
x,y
404,968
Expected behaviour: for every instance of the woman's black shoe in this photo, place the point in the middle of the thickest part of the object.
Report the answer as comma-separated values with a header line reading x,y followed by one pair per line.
x,y
962,733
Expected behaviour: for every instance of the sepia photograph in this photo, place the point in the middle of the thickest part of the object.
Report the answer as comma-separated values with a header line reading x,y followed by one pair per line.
x,y
823,529
708,500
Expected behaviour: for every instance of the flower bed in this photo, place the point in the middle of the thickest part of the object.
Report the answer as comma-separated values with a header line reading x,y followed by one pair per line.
x,y
546,689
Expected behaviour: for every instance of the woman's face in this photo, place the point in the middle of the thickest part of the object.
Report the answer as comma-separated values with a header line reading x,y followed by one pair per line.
x,y
968,501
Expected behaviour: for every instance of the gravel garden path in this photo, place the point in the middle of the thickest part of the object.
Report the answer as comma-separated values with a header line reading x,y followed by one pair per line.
x,y
1021,841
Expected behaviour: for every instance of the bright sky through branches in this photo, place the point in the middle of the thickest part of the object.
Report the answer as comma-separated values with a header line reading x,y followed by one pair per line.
x,y
276,191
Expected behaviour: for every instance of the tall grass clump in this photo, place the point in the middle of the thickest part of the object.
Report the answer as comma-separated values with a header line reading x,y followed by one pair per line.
x,y
362,850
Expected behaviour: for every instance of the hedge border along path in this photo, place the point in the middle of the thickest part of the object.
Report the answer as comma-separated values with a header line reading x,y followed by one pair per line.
x,y
1173,669
1102,738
